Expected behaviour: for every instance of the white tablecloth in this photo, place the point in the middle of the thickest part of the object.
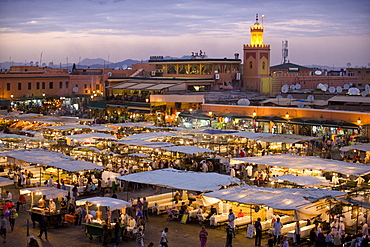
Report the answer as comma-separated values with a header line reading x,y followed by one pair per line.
x,y
305,232
242,221
216,219
290,227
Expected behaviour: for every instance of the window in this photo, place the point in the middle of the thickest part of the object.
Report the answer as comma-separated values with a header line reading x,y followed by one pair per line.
x,y
60,84
43,85
19,86
29,86
97,87
67,84
85,85
37,85
8,86
51,85
250,65
263,65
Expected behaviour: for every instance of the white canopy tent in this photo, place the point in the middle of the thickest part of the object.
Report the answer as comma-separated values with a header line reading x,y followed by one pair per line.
x,y
303,203
144,143
362,147
94,149
48,192
36,156
188,149
112,203
90,137
150,136
290,139
184,180
252,135
138,155
75,165
303,180
307,162
5,181
67,127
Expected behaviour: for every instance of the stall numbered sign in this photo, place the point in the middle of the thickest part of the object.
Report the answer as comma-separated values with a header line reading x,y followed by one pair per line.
x,y
250,231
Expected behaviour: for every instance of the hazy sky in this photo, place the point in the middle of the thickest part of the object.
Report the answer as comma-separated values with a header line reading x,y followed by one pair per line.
x,y
324,32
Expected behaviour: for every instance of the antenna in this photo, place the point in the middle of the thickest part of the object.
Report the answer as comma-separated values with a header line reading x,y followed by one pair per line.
x,y
256,18
284,58
263,17
40,58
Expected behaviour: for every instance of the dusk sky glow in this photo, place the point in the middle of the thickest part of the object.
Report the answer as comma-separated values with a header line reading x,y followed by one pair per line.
x,y
330,32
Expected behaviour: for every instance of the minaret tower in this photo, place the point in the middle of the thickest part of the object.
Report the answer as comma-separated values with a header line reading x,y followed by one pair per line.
x,y
256,61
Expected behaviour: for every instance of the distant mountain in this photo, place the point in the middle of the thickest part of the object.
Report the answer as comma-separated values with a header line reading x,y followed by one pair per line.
x,y
89,61
325,67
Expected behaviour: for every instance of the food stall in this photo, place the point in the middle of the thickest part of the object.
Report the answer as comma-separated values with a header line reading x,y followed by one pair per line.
x,y
55,217
94,226
4,182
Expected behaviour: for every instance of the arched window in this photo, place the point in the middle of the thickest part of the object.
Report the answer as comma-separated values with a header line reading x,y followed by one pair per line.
x,y
250,65
263,65
171,69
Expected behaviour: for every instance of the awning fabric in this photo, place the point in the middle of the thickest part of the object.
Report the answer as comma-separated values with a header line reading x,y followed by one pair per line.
x,y
303,180
88,148
90,137
144,143
36,156
188,149
268,137
362,147
48,192
252,135
307,162
138,155
305,203
183,180
149,136
5,181
67,127
75,165
112,203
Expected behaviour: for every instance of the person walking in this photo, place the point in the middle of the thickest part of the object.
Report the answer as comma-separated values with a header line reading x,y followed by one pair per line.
x,y
12,213
43,226
117,230
145,209
164,239
258,227
297,233
277,231
231,221
229,237
140,237
203,236
3,228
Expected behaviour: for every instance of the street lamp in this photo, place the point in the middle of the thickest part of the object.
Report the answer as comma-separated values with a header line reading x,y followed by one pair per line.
x,y
287,115
254,113
359,121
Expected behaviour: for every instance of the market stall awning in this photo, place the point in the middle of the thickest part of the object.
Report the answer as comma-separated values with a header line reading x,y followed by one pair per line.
x,y
75,165
362,147
48,192
183,180
252,135
91,137
112,203
5,181
188,149
138,155
283,198
307,162
67,127
36,156
94,149
144,143
303,180
287,138
150,136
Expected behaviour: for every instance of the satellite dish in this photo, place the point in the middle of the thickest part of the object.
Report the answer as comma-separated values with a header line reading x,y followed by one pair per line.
x,y
363,93
332,89
326,86
339,89
124,66
300,105
292,87
109,74
351,84
310,97
117,68
298,86
244,102
354,91
346,86
289,96
319,86
285,88
322,87
279,97
318,72
75,89
367,88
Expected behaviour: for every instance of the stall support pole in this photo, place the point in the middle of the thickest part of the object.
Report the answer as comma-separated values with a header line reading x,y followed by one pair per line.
x,y
31,199
250,210
40,177
58,174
